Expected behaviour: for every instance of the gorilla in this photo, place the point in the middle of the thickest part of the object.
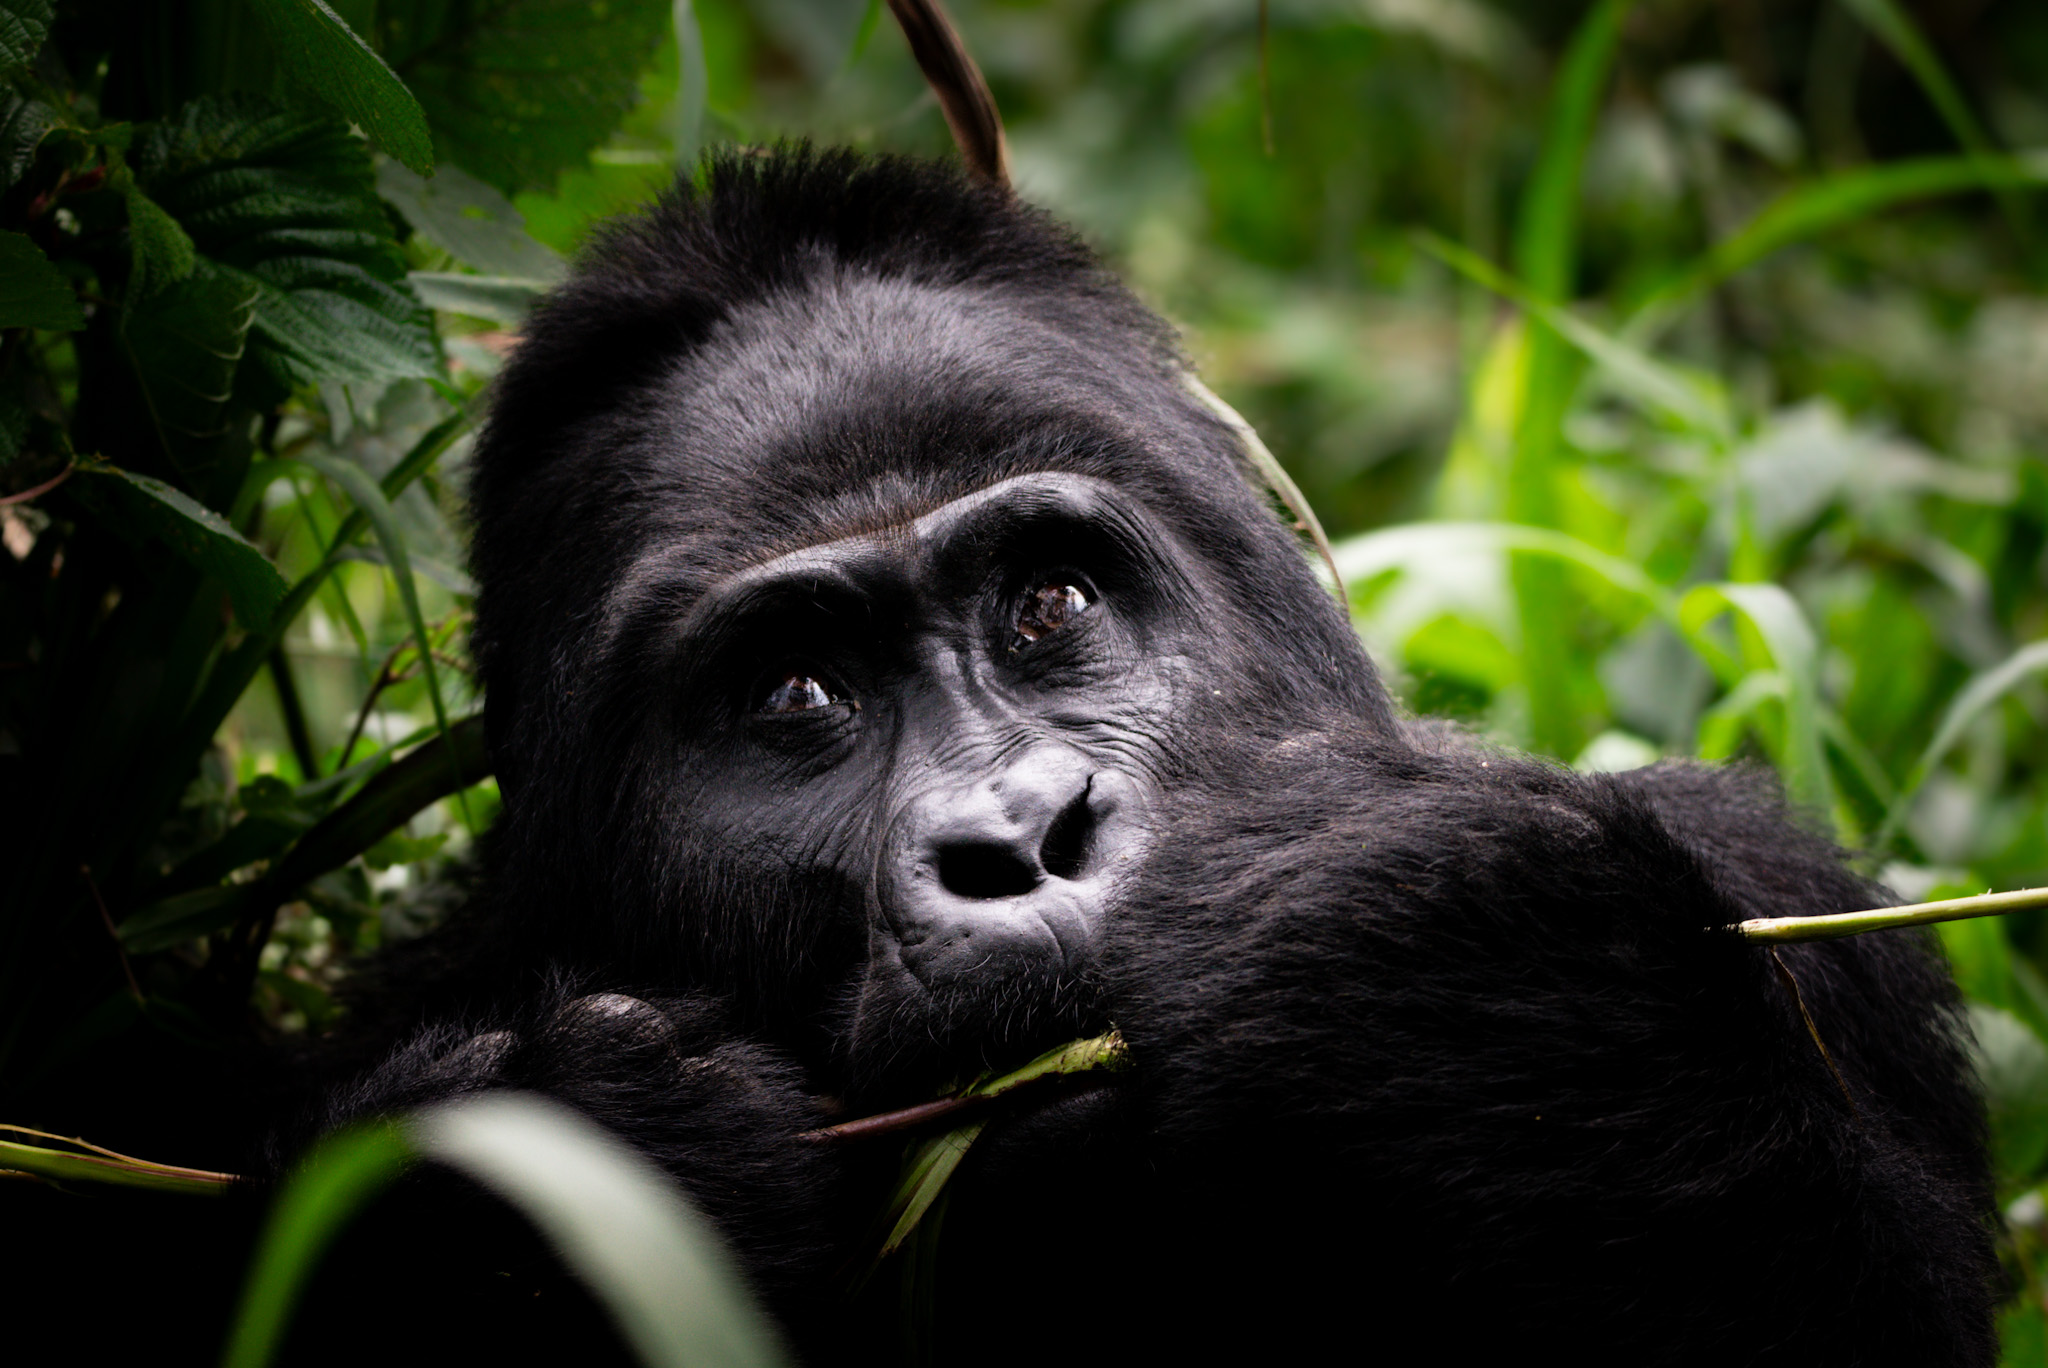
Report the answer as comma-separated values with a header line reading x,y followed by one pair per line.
x,y
892,673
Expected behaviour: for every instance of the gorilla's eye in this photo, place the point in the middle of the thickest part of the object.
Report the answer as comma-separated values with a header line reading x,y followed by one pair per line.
x,y
797,691
1048,608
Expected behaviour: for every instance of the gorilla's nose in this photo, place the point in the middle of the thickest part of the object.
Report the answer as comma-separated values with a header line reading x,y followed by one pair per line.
x,y
1010,873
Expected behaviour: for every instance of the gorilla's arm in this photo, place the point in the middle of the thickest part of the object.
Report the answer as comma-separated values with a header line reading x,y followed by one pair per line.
x,y
671,1076
1486,1014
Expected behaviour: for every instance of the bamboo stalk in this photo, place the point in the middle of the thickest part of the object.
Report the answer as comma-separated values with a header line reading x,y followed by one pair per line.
x,y
1784,930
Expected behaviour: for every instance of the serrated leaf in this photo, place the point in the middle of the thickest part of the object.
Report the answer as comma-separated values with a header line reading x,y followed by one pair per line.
x,y
321,52
23,122
23,26
287,201
163,252
518,90
493,297
185,341
470,221
34,293
142,507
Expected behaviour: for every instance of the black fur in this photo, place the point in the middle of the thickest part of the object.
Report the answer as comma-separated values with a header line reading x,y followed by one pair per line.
x,y
1435,1049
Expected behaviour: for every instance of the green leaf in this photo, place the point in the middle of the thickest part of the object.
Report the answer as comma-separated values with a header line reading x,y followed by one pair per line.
x,y
163,252
34,293
493,297
470,221
1794,653
1970,701
616,1220
321,52
519,90
1821,205
186,917
185,340
2013,1066
400,849
23,26
1696,405
196,534
23,122
372,504
287,200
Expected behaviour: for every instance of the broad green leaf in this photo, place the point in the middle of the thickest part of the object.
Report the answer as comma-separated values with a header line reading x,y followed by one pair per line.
x,y
519,90
163,253
1970,702
184,917
23,122
2012,1063
470,221
287,201
196,534
23,26
186,340
322,53
400,849
34,293
616,1220
493,297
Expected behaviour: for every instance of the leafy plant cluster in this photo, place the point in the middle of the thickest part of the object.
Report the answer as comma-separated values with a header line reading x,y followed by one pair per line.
x,y
1667,372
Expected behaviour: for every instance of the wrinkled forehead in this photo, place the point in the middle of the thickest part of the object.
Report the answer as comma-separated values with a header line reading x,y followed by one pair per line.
x,y
856,403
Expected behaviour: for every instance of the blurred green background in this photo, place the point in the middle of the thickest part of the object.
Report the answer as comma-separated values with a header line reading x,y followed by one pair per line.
x,y
1671,377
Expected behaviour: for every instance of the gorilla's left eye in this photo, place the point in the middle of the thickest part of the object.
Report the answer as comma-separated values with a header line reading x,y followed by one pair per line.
x,y
1048,608
798,691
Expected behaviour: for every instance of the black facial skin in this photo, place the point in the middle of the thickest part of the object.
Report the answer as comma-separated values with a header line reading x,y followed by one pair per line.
x,y
980,754
891,673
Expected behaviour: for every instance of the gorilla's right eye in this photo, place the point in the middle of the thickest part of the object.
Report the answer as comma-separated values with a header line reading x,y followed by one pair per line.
x,y
797,690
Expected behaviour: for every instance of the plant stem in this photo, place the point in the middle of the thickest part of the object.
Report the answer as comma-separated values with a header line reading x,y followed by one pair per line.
x,y
1782,930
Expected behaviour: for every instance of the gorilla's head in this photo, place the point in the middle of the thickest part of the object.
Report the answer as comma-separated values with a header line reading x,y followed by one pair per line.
x,y
857,570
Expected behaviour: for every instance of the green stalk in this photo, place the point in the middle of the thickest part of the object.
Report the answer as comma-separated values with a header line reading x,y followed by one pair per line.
x,y
110,1169
1784,930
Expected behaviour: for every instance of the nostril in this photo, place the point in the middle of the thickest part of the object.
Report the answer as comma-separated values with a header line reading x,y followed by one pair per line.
x,y
985,871
1065,852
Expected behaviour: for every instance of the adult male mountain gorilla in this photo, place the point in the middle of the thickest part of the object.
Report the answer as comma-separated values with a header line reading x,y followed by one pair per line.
x,y
892,674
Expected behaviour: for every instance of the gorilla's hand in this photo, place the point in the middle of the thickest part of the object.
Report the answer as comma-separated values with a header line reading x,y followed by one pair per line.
x,y
671,1077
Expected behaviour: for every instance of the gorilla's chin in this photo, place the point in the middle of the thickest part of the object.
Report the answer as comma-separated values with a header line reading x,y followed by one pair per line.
x,y
904,1041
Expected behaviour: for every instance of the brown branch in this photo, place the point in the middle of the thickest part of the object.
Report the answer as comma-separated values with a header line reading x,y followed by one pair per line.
x,y
964,96
889,1123
45,487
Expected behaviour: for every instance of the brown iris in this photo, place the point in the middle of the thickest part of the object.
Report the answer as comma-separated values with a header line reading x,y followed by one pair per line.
x,y
1047,609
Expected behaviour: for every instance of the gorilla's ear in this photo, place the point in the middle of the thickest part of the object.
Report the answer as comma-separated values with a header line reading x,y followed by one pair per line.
x,y
963,95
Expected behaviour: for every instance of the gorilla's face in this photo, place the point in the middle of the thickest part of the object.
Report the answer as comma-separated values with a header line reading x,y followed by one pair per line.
x,y
859,649
962,720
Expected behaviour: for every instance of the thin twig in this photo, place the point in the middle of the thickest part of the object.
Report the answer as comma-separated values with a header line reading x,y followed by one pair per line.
x,y
889,1123
45,487
107,920
1799,1001
1783,930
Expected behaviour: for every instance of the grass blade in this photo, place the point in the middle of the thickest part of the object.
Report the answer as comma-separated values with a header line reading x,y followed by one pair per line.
x,y
371,502
1794,653
1820,206
335,1181
1980,693
1559,683
1272,472
104,1166
617,1221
